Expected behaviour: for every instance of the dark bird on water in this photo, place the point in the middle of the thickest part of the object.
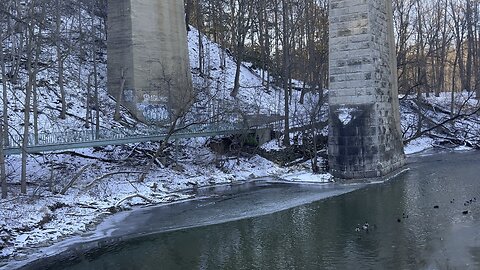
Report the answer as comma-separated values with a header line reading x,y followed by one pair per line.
x,y
365,226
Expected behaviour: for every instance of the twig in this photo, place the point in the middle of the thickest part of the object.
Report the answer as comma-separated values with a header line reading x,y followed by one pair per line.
x,y
10,200
108,175
159,151
131,152
83,205
459,115
134,196
74,179
76,154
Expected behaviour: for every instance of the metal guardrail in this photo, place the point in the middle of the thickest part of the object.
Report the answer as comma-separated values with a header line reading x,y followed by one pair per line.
x,y
54,141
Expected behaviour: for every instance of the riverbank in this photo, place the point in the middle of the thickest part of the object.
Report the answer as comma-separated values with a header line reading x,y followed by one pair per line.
x,y
217,205
233,204
107,183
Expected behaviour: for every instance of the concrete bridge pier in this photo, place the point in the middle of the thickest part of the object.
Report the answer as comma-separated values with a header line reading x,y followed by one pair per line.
x,y
365,135
148,65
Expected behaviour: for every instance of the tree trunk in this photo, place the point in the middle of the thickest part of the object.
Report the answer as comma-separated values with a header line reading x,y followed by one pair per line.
x,y
4,123
20,47
201,51
188,12
161,148
61,85
34,90
97,103
88,113
95,80
81,52
454,81
27,108
4,94
120,96
470,46
286,79
3,175
244,22
238,66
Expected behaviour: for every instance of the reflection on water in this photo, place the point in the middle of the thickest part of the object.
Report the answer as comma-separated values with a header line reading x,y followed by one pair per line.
x,y
406,231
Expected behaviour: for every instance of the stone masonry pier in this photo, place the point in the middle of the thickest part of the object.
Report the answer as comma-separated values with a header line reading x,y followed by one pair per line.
x,y
148,57
365,136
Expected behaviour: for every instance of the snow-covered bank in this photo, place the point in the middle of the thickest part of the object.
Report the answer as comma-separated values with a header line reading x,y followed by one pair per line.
x,y
59,205
439,126
228,203
45,217
419,145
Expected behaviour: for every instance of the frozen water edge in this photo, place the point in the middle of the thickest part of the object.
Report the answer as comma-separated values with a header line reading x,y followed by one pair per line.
x,y
84,211
271,195
126,225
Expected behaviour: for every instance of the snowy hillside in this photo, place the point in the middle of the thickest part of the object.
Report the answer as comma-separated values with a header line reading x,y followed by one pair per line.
x,y
253,98
110,174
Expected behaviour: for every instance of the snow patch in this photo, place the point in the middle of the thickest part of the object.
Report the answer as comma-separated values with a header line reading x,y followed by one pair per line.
x,y
418,145
22,238
345,115
273,145
462,148
308,177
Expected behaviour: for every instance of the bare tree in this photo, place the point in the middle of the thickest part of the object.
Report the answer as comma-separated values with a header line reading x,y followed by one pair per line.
x,y
4,124
60,57
30,45
3,25
95,72
243,21
3,175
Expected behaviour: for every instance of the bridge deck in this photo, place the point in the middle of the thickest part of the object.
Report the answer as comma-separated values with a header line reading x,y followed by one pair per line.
x,y
86,138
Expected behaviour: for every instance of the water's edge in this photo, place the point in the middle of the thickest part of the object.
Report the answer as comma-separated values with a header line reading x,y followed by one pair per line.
x,y
104,235
106,232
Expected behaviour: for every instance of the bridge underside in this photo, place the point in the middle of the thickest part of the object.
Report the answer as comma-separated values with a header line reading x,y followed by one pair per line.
x,y
365,136
148,66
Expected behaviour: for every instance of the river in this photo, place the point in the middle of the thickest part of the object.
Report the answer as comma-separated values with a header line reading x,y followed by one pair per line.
x,y
419,220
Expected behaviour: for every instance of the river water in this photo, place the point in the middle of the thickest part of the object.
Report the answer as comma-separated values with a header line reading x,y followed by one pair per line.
x,y
416,221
